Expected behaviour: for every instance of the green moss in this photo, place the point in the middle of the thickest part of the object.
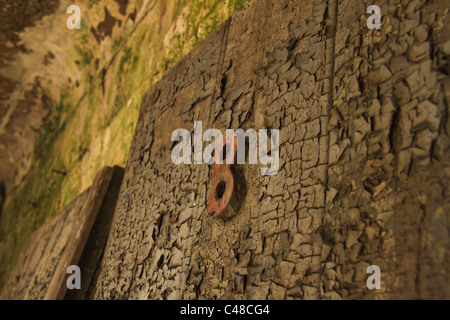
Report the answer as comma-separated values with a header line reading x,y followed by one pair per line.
x,y
84,27
179,5
92,3
116,44
235,5
126,57
86,56
84,37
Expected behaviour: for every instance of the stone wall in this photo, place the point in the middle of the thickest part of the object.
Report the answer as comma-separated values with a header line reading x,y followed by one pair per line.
x,y
39,258
364,160
70,98
76,236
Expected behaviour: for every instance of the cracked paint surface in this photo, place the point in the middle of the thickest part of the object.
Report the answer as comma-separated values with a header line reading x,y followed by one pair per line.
x,y
364,169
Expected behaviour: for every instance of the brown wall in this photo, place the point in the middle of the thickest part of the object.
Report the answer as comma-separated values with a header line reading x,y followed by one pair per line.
x,y
76,236
364,160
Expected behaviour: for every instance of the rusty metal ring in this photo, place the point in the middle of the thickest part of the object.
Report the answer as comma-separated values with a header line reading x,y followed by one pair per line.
x,y
228,187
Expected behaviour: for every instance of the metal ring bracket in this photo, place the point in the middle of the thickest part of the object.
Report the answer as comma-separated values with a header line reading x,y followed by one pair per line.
x,y
228,186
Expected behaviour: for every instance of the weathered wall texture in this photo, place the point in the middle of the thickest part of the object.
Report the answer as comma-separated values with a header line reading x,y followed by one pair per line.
x,y
70,98
40,271
364,160
39,258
